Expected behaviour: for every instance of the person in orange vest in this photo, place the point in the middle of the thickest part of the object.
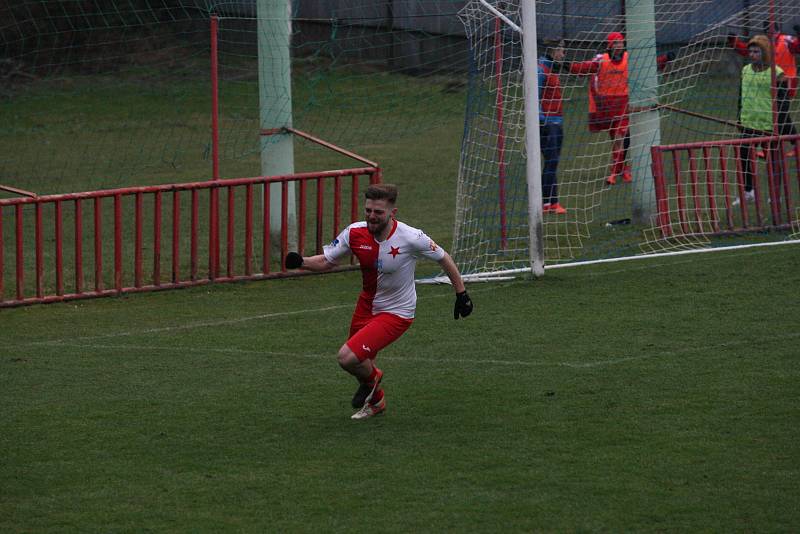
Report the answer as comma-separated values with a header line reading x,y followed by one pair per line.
x,y
785,47
608,99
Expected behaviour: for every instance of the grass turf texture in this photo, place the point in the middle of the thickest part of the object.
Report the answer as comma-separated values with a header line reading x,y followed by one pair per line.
x,y
653,395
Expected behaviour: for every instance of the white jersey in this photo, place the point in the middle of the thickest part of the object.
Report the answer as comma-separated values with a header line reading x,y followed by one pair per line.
x,y
387,267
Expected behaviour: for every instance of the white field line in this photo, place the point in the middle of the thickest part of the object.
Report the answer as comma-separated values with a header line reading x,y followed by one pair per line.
x,y
676,253
219,322
222,322
449,361
510,273
206,324
648,266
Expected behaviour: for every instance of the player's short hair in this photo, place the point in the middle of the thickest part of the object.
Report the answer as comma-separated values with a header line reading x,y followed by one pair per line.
x,y
387,192
551,44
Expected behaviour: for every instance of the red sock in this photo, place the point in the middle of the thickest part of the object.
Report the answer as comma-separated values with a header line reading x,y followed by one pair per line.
x,y
617,162
373,375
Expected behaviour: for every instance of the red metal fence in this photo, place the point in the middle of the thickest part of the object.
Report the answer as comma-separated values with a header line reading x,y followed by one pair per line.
x,y
160,234
700,187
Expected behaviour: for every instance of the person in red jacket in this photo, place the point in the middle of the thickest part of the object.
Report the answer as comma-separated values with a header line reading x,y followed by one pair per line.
x,y
785,47
551,124
608,99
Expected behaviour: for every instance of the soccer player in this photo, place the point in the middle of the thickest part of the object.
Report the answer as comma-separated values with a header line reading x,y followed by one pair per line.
x,y
387,251
608,99
785,47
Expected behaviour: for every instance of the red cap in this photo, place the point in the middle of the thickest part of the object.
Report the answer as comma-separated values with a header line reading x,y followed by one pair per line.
x,y
614,36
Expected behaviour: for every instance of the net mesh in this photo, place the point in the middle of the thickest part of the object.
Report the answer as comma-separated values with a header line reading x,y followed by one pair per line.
x,y
683,87
95,93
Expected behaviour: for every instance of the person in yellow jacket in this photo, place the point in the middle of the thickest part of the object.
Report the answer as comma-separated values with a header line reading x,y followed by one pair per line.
x,y
785,48
755,102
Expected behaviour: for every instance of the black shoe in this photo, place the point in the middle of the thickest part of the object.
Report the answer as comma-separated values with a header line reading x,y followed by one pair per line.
x,y
360,395
364,390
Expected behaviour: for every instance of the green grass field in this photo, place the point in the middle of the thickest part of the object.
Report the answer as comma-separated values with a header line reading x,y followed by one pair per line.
x,y
652,395
657,395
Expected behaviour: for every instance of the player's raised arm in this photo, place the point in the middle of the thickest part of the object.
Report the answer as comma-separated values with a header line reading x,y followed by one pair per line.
x,y
316,263
584,67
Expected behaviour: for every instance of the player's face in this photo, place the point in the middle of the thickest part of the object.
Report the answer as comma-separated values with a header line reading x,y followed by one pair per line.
x,y
378,213
616,49
559,53
755,54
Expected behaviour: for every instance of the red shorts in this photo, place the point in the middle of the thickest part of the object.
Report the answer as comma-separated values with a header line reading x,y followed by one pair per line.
x,y
611,115
616,125
371,333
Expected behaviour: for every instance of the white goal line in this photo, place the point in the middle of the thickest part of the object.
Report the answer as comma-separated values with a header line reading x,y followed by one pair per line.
x,y
510,274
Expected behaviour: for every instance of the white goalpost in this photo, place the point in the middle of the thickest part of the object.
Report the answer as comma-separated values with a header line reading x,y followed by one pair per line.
x,y
526,37
533,168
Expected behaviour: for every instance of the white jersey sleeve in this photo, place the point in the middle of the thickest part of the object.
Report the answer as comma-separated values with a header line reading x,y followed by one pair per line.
x,y
340,247
425,247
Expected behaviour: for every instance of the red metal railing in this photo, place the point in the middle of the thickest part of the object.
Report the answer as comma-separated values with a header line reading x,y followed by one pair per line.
x,y
700,188
247,238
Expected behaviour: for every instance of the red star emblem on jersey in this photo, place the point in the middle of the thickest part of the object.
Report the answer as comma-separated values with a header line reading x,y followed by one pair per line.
x,y
395,251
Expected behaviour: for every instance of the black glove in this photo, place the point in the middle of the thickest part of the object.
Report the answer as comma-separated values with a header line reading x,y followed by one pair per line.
x,y
463,305
670,56
293,260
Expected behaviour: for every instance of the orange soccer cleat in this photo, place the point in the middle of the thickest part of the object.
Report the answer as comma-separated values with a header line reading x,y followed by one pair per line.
x,y
626,175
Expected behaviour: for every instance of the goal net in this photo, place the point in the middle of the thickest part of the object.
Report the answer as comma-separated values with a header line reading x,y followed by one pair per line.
x,y
707,182
94,92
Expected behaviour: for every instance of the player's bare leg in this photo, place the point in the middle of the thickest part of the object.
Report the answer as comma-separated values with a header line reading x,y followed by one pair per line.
x,y
361,369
